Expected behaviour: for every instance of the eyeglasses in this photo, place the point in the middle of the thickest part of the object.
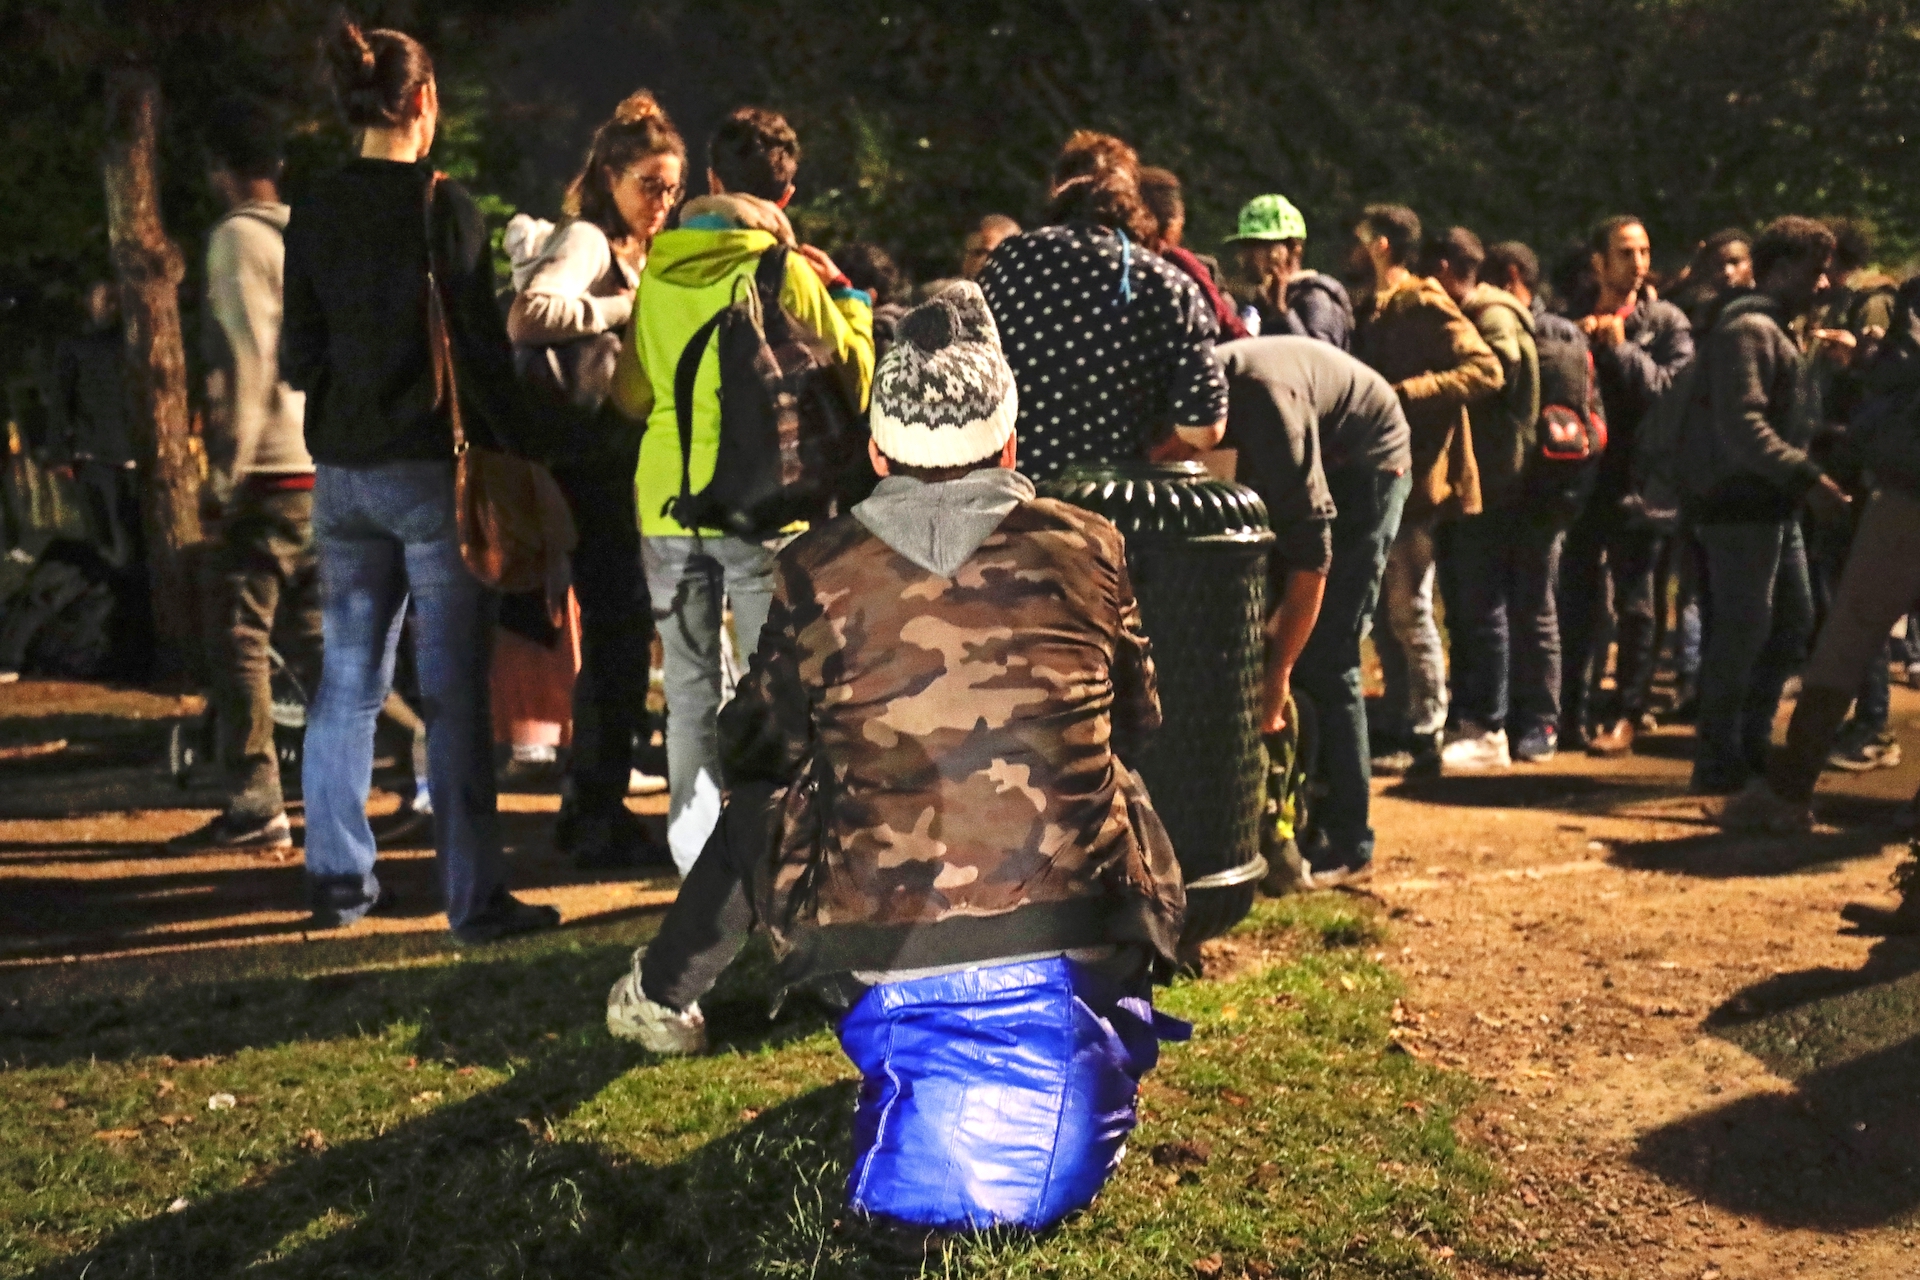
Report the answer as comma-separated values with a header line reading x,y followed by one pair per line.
x,y
660,190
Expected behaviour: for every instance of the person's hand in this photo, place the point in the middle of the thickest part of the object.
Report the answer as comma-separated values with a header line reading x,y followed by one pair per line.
x,y
1836,345
1273,705
1172,449
822,265
1606,331
1828,500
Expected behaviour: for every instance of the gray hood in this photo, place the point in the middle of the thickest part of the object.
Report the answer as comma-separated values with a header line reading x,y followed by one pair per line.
x,y
937,526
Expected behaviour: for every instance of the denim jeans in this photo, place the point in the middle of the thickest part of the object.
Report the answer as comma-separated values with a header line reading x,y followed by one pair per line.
x,y
1759,619
1328,672
1506,641
385,533
687,578
1412,658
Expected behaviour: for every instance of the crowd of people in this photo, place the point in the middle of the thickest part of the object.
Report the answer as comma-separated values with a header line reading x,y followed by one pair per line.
x,y
919,783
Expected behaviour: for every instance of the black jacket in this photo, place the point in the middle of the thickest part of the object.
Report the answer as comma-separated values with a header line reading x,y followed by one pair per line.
x,y
355,333
1632,376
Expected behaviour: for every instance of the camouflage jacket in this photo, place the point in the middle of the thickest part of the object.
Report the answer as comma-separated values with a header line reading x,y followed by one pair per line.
x,y
948,750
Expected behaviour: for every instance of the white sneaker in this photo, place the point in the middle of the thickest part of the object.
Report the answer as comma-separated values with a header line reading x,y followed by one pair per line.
x,y
1477,748
631,1016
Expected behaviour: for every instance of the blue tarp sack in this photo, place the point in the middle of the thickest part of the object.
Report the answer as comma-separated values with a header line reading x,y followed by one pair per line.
x,y
996,1096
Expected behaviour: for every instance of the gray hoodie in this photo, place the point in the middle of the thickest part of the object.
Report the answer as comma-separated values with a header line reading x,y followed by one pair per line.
x,y
937,526
256,427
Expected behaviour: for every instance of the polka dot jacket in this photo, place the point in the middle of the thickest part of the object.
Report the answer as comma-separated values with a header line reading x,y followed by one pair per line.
x,y
1110,345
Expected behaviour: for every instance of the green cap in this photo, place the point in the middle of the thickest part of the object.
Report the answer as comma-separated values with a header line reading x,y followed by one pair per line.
x,y
1270,218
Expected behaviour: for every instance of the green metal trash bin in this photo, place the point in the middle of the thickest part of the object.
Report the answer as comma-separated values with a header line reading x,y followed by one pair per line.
x,y
1197,550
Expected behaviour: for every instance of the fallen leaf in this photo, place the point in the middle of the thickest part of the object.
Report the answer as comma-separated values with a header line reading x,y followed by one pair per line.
x,y
117,1135
1229,1012
179,1205
749,1113
1530,1200
464,1071
1234,1099
1181,1155
58,1104
222,1102
1209,1265
1259,1270
412,1063
1444,1251
172,1119
429,1095
1348,983
313,1140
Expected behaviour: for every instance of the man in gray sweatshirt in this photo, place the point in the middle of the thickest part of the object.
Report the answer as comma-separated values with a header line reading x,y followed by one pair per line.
x,y
1744,461
265,583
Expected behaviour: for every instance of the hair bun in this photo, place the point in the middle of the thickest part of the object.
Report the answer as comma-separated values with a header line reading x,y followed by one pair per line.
x,y
638,106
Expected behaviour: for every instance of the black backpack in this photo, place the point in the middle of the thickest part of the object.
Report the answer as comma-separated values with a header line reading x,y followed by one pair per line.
x,y
1572,431
791,446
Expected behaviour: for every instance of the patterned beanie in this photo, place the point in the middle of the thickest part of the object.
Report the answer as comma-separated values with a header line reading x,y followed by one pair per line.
x,y
944,396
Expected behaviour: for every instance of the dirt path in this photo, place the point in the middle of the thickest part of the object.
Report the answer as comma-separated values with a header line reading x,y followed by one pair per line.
x,y
1697,1071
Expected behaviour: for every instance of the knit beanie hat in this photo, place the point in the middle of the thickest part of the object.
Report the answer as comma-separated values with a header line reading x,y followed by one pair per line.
x,y
944,394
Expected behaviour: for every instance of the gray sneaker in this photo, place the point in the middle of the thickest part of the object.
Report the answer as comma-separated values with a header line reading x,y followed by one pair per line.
x,y
229,834
657,1028
1758,810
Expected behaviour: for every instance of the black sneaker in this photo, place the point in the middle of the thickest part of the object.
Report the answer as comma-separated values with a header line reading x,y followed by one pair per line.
x,y
230,834
334,902
1425,762
504,917
616,841
404,828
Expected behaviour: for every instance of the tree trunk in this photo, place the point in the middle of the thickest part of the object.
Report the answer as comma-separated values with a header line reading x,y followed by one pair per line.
x,y
149,267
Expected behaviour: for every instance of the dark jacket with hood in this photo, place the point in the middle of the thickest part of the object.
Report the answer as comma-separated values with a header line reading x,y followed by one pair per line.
x,y
947,681
1746,460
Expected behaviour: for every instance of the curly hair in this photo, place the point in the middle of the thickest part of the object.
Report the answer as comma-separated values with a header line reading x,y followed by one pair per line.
x,y
1096,178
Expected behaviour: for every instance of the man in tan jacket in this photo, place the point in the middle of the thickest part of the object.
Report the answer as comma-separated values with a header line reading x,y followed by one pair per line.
x,y
1414,335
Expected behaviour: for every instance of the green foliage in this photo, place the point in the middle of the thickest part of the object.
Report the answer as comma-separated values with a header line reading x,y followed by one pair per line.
x,y
415,1112
1517,117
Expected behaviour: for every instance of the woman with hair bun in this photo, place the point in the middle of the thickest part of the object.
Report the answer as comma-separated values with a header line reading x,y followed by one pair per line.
x,y
355,339
581,288
1111,347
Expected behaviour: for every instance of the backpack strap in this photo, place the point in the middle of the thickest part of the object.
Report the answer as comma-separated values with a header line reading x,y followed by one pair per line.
x,y
685,374
770,278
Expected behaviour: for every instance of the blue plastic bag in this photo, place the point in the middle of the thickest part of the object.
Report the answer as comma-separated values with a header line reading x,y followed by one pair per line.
x,y
997,1096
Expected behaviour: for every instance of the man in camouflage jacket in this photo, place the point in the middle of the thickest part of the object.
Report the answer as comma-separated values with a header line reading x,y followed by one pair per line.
x,y
925,756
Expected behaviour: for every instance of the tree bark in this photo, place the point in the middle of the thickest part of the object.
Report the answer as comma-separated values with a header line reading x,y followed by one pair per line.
x,y
149,267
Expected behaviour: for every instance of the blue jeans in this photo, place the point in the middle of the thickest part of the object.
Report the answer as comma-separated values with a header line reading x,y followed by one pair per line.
x,y
1506,641
1328,672
1759,619
386,533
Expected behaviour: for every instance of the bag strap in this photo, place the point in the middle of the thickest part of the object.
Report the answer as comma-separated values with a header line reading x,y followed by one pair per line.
x,y
685,374
769,279
439,341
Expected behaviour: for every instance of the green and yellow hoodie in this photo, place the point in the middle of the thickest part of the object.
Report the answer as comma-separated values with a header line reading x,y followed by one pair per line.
x,y
690,275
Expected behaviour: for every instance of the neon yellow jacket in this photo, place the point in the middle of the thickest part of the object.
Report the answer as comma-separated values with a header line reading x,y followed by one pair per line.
x,y
689,276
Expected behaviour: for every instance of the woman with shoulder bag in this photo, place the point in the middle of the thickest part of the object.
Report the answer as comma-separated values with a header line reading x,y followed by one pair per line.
x,y
566,324
365,252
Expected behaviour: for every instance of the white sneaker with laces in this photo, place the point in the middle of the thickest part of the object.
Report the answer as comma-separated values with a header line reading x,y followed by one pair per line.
x,y
658,1029
1476,747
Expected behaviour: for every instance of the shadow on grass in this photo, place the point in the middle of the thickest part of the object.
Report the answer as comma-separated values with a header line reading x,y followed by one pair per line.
x,y
487,1185
1836,1153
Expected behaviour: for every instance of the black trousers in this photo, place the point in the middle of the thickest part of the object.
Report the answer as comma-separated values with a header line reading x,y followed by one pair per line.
x,y
1600,551
616,629
710,921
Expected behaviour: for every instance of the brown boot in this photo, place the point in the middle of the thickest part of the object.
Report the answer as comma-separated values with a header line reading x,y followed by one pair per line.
x,y
1615,741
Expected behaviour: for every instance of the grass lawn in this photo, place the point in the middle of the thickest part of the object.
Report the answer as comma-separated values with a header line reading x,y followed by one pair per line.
x,y
430,1113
